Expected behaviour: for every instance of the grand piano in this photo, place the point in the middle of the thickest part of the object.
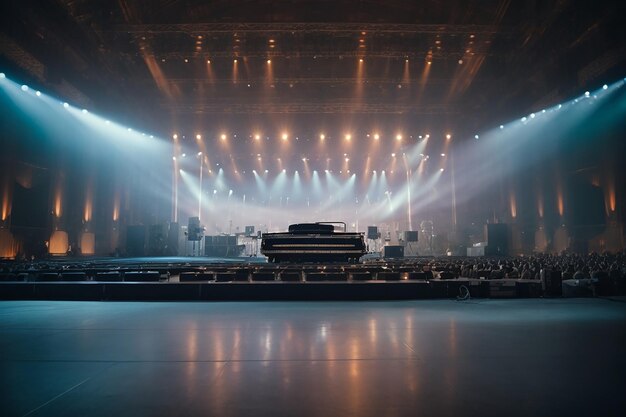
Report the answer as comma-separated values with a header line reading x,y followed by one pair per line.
x,y
313,242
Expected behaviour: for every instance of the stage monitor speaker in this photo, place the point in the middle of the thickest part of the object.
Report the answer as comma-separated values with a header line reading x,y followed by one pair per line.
x,y
249,231
135,240
410,236
372,232
497,235
393,251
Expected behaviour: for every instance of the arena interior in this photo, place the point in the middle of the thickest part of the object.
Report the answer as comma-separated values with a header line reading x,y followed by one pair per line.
x,y
314,208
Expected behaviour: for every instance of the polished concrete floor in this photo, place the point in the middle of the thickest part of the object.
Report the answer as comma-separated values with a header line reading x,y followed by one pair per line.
x,y
538,357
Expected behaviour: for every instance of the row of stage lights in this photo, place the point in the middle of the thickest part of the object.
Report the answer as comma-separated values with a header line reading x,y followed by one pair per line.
x,y
346,158
362,42
284,136
25,88
297,172
428,60
348,136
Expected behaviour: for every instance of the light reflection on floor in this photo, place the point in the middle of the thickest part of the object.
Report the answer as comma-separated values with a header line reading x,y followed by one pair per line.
x,y
487,357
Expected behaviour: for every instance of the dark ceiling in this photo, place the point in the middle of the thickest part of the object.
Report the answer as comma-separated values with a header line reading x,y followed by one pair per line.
x,y
468,63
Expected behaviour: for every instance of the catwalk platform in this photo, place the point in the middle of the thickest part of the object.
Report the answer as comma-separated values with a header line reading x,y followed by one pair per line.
x,y
199,279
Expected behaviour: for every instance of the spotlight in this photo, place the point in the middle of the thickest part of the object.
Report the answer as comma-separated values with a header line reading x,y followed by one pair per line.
x,y
427,136
441,169
348,136
2,75
604,87
266,171
199,153
376,136
475,136
360,59
393,155
560,105
175,136
24,87
586,93
38,93
173,158
284,136
269,61
284,170
501,126
532,115
184,155
347,159
208,61
257,137
84,111
198,137
524,119
443,154
223,136
398,137
448,136
234,61
322,136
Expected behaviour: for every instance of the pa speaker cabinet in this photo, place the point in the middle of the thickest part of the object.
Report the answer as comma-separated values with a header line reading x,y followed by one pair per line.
x,y
372,232
497,235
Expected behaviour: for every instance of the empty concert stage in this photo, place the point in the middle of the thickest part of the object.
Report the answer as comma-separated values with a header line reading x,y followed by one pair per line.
x,y
204,279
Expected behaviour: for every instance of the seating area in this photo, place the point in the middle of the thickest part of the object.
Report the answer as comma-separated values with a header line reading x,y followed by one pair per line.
x,y
567,275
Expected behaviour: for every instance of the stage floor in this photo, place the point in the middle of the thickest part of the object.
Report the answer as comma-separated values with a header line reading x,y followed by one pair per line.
x,y
539,357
